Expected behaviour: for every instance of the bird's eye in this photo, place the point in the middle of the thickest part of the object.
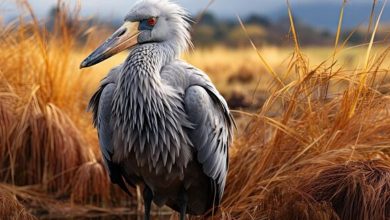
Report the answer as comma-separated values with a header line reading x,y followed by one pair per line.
x,y
147,24
152,21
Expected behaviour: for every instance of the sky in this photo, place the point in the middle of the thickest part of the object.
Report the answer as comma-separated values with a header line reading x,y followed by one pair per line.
x,y
322,14
116,8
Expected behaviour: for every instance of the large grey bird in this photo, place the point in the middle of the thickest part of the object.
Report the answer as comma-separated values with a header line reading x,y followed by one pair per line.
x,y
161,122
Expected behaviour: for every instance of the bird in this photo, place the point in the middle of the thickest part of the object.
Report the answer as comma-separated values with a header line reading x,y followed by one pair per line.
x,y
162,124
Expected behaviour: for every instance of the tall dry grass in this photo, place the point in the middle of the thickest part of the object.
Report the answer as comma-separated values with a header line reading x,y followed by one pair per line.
x,y
318,148
325,156
47,141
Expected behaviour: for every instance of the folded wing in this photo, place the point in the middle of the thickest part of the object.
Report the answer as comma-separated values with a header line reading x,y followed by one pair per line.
x,y
213,124
101,105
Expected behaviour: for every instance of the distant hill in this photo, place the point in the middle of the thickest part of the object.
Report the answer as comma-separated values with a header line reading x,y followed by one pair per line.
x,y
326,15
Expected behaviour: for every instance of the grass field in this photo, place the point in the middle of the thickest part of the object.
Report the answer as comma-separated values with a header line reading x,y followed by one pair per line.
x,y
313,139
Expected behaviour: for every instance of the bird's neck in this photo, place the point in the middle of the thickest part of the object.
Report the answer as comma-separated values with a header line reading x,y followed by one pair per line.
x,y
140,90
144,64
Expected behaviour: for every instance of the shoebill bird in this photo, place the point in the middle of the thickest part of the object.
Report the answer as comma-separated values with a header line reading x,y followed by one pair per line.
x,y
162,124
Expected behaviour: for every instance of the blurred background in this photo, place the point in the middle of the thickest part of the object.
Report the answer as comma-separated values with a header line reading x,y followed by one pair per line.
x,y
267,21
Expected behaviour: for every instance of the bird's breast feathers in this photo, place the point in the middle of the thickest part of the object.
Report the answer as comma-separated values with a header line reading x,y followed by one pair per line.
x,y
153,129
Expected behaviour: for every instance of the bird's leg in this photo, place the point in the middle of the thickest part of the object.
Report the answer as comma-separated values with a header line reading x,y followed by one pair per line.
x,y
183,199
148,197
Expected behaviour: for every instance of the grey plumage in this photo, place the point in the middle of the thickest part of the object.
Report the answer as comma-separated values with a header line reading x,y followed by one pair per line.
x,y
162,124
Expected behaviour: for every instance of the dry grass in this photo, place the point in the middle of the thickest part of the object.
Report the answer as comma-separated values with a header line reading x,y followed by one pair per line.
x,y
325,156
318,148
298,164
47,140
10,207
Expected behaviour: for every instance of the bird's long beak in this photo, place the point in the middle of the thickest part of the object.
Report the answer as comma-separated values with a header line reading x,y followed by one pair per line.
x,y
123,38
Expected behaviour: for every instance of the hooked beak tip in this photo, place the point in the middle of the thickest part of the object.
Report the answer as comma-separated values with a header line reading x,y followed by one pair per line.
x,y
84,64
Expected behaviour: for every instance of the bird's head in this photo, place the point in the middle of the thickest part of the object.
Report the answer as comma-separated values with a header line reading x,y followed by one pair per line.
x,y
149,21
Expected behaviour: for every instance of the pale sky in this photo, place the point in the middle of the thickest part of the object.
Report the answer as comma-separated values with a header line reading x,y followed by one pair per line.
x,y
118,8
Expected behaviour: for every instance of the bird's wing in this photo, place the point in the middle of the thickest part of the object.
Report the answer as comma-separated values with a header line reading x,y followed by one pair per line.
x,y
213,123
101,106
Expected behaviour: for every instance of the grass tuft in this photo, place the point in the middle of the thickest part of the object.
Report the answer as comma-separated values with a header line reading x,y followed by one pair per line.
x,y
11,208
